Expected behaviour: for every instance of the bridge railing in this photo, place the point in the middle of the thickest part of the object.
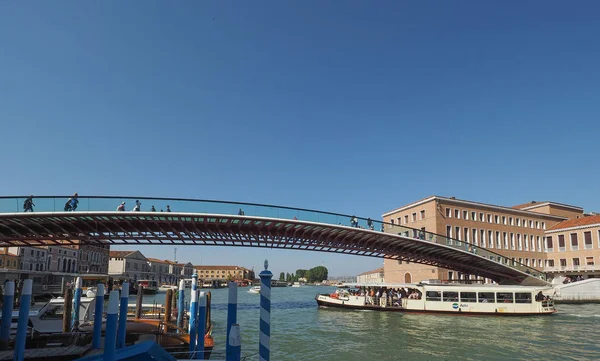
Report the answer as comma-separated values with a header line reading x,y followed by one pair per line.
x,y
110,203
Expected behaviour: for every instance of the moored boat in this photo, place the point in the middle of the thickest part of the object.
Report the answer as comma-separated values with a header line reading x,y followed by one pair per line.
x,y
254,289
150,286
443,298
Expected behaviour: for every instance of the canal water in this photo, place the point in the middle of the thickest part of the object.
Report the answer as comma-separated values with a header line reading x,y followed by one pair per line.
x,y
302,331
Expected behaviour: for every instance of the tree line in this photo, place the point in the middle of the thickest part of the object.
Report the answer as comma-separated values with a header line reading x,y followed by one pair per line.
x,y
315,274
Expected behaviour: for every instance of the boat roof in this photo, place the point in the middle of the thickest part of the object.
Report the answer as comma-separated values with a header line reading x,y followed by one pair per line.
x,y
449,285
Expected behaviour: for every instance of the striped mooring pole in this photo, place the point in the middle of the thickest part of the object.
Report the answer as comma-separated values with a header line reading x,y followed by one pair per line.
x,y
180,304
98,310
264,348
110,333
193,316
76,304
24,304
122,331
8,299
232,351
201,325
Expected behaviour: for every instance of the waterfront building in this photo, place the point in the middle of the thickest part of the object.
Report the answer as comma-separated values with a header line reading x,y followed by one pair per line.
x,y
8,260
223,273
374,276
128,265
62,259
31,259
516,233
93,258
159,270
573,247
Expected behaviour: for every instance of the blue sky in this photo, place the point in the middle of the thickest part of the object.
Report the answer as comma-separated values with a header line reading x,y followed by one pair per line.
x,y
340,106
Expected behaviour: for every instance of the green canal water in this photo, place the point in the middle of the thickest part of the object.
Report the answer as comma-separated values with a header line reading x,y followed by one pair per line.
x,y
302,331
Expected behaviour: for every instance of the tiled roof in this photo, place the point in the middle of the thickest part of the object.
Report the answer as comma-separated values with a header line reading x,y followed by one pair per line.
x,y
156,260
120,254
379,270
577,222
230,268
10,254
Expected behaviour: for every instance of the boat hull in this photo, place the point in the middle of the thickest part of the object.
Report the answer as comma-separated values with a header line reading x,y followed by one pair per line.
x,y
329,302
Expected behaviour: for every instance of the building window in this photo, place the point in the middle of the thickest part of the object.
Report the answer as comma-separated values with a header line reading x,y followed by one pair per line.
x,y
519,242
498,240
550,263
482,238
518,222
489,218
414,217
574,242
496,219
505,238
475,240
490,239
406,219
543,225
466,215
503,219
457,214
474,216
481,217
466,234
539,243
530,224
511,221
526,242
457,231
449,234
448,213
587,239
512,241
549,245
589,261
575,262
563,262
423,214
561,242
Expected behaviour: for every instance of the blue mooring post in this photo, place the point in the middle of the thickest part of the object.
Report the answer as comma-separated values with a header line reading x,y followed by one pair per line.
x,y
201,325
110,333
231,351
264,348
181,304
76,305
122,331
24,304
7,307
193,316
98,310
235,342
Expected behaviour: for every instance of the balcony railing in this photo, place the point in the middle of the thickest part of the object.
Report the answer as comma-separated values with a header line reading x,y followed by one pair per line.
x,y
574,268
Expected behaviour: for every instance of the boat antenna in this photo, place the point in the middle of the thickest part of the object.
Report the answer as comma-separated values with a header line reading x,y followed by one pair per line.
x,y
175,254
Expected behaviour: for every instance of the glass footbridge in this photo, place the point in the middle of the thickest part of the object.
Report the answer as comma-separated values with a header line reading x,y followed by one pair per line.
x,y
56,220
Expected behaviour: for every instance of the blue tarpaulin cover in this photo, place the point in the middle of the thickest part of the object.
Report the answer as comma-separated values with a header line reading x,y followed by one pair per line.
x,y
145,351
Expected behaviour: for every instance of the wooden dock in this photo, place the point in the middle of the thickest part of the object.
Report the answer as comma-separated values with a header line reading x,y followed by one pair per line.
x,y
40,354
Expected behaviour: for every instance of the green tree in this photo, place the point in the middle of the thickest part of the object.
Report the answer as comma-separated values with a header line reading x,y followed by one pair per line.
x,y
300,273
282,276
317,274
288,277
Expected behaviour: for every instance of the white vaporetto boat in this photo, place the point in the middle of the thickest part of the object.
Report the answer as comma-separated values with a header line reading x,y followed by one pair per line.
x,y
443,298
254,289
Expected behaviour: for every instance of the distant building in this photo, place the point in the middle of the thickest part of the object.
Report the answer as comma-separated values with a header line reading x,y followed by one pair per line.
x,y
159,271
573,247
93,258
128,265
9,261
209,273
374,276
62,259
31,259
515,234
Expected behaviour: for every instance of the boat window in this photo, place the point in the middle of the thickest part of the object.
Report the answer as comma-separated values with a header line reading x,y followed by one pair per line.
x,y
504,297
54,313
522,297
468,297
485,297
433,296
450,296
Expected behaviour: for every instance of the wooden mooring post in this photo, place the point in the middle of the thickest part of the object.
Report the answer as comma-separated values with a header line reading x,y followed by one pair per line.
x,y
68,308
138,302
168,306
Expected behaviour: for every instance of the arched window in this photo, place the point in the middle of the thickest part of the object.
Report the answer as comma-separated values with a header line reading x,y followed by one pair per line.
x,y
407,278
64,265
